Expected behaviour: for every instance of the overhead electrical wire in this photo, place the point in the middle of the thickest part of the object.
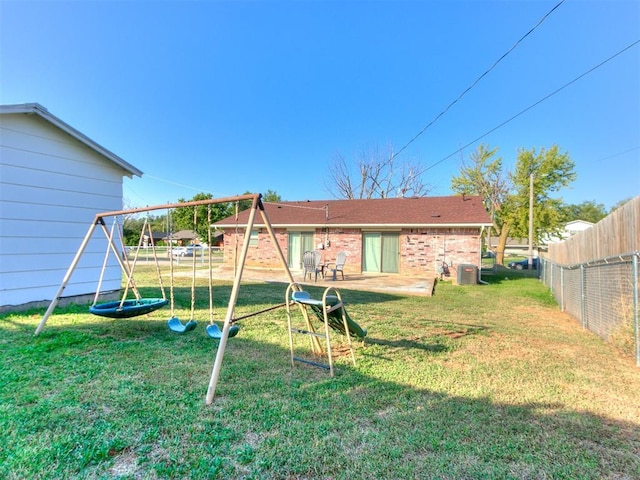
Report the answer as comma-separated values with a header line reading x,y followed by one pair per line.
x,y
477,80
546,97
637,147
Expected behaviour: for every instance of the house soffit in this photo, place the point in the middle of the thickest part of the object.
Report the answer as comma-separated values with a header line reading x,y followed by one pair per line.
x,y
42,112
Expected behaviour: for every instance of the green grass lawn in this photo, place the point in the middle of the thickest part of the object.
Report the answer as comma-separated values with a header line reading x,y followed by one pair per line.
x,y
487,381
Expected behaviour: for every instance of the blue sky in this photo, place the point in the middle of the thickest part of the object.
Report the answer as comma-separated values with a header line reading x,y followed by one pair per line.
x,y
233,96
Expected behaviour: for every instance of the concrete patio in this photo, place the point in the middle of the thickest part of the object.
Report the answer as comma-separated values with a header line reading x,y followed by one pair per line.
x,y
388,283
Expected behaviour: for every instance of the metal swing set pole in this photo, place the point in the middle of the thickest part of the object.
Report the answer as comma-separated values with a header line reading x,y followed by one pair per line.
x,y
217,366
99,220
257,205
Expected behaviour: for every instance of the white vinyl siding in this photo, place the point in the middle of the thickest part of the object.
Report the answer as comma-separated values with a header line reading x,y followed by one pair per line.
x,y
51,187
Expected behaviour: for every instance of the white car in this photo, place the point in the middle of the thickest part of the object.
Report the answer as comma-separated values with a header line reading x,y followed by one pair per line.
x,y
187,251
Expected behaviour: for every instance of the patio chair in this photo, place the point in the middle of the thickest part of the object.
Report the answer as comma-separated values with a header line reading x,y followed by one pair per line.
x,y
341,259
312,264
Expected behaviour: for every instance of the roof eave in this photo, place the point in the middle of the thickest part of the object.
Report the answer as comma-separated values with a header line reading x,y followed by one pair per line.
x,y
363,225
36,108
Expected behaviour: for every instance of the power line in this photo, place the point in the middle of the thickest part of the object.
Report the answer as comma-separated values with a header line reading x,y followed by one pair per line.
x,y
532,106
171,182
619,153
477,80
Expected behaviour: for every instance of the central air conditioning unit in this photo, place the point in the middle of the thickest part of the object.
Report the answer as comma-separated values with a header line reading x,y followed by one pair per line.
x,y
467,275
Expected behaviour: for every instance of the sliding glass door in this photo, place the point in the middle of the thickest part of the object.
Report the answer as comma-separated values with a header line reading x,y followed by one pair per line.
x,y
380,252
299,242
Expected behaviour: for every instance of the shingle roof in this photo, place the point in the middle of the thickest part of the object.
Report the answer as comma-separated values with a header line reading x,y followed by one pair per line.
x,y
419,211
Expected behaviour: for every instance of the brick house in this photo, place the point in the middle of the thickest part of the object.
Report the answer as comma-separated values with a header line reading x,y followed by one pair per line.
x,y
406,236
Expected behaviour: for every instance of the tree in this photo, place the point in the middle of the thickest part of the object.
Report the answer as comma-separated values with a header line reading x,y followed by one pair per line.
x,y
589,211
620,203
132,226
183,218
374,174
508,192
483,176
268,196
551,171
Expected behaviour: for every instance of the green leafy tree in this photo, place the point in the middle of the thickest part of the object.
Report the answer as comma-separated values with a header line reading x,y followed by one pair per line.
x,y
268,196
552,170
483,175
620,203
183,218
132,226
507,193
589,211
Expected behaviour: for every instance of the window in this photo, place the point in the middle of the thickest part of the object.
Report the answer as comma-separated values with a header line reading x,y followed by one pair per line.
x,y
253,239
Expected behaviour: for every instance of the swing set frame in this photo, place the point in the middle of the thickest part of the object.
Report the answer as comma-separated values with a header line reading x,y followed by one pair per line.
x,y
256,206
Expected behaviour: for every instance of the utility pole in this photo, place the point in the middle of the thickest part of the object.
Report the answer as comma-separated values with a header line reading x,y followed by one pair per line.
x,y
530,261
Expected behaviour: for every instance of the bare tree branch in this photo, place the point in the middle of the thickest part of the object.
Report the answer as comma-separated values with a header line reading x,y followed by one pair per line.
x,y
374,173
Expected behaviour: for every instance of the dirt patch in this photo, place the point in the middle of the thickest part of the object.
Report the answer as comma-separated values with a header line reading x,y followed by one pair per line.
x,y
126,464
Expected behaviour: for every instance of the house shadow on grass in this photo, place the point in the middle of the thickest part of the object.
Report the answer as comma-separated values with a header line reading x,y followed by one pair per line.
x,y
136,388
436,339
503,274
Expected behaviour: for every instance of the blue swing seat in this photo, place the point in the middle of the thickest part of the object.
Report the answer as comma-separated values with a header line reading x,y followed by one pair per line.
x,y
175,325
130,308
214,331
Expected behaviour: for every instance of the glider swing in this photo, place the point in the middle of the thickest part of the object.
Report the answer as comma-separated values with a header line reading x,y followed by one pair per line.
x,y
127,308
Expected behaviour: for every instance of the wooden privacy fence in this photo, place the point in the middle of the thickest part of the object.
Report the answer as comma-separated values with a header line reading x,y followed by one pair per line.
x,y
617,234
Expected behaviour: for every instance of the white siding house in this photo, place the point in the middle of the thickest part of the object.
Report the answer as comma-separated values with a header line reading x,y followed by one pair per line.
x,y
53,180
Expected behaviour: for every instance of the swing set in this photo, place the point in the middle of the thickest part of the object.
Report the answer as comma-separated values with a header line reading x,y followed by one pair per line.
x,y
127,308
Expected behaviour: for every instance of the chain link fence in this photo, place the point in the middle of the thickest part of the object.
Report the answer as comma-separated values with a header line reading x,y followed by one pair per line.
x,y
602,295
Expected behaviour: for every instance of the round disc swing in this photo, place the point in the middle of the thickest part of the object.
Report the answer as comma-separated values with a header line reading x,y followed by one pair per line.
x,y
127,308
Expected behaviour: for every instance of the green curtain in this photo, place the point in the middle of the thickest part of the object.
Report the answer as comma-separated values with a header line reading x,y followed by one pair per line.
x,y
295,251
380,252
299,242
371,243
390,243
307,242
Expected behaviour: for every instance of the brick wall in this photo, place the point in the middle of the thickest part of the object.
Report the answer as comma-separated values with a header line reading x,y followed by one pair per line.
x,y
422,251
348,240
263,255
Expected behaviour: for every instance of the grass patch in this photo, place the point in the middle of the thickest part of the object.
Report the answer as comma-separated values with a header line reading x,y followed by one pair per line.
x,y
484,381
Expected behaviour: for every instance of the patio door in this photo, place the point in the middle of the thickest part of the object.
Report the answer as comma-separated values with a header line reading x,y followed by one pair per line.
x,y
380,252
299,242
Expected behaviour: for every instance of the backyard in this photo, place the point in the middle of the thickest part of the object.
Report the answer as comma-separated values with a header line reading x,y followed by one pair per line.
x,y
489,381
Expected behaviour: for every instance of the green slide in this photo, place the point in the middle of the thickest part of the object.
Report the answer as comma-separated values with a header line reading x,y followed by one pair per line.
x,y
335,317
